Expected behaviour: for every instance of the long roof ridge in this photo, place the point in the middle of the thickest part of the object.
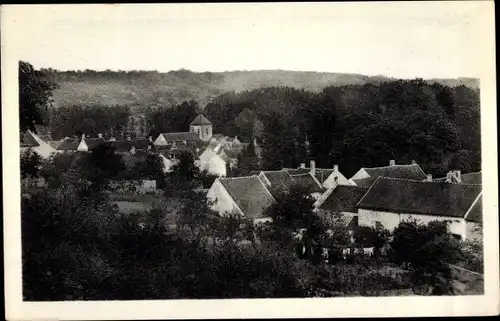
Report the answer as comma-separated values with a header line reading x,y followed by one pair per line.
x,y
178,133
238,177
423,181
396,165
368,191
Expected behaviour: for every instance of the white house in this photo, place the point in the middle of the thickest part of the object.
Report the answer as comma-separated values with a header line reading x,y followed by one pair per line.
x,y
390,201
212,162
367,175
246,196
168,163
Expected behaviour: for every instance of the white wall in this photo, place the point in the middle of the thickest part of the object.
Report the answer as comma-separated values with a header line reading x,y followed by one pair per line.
x,y
167,164
83,146
211,162
44,149
222,202
161,140
391,220
341,180
202,131
360,174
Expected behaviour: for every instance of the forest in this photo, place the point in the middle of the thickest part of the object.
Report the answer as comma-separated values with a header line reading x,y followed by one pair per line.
x,y
353,126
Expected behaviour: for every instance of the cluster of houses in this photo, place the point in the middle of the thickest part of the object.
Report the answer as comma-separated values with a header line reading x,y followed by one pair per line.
x,y
214,153
379,197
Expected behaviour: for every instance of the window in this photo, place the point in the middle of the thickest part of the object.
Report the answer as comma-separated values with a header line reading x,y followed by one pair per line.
x,y
207,131
456,236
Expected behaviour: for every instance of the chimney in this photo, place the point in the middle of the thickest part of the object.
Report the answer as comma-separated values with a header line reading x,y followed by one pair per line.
x,y
66,137
129,138
313,168
335,168
413,162
83,136
99,135
302,165
449,176
429,177
392,162
112,139
458,175
150,138
132,150
149,147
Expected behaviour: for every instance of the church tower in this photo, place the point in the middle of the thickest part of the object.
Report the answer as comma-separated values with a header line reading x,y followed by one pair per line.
x,y
202,126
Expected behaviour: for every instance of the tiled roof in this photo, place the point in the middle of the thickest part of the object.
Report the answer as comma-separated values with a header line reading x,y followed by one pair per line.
x,y
126,145
69,144
472,178
281,181
200,120
296,171
182,136
307,182
218,136
397,171
343,198
27,140
418,197
249,193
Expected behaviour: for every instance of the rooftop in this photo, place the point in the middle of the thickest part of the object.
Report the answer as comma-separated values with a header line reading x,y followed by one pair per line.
x,y
412,171
249,193
419,197
200,120
343,198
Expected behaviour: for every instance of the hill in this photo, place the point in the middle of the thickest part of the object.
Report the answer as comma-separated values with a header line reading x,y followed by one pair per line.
x,y
149,88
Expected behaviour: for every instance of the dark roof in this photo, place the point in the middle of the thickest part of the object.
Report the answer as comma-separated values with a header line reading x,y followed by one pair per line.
x,y
418,197
321,173
126,145
413,172
200,120
27,140
281,181
476,213
343,198
183,136
249,193
307,182
69,144
94,142
472,178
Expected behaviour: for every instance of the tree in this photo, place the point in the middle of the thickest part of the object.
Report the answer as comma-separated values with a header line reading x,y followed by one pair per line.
x,y
101,165
185,168
30,164
35,90
151,167
247,161
427,250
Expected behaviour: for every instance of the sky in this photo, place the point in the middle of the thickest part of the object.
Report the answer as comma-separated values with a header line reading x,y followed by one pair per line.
x,y
406,40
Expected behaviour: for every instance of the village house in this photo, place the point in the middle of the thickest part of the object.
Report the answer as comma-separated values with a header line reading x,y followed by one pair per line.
x,y
277,182
366,176
390,201
68,145
32,141
87,144
339,204
246,196
306,178
327,177
177,138
130,146
213,162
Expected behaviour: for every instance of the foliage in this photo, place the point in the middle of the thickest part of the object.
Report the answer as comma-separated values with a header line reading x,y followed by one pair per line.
x,y
247,161
35,90
427,250
151,167
172,118
185,169
30,164
91,120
